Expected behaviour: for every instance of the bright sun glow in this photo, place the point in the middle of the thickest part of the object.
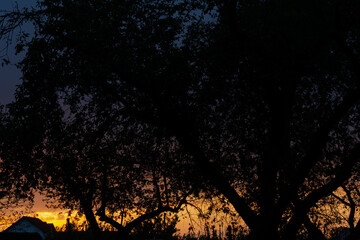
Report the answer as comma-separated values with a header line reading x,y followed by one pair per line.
x,y
56,218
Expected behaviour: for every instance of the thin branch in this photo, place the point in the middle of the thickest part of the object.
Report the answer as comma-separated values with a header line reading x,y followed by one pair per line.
x,y
129,226
352,206
157,188
153,214
340,199
15,19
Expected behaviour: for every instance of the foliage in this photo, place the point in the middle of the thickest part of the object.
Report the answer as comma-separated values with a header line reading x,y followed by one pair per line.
x,y
261,96
17,181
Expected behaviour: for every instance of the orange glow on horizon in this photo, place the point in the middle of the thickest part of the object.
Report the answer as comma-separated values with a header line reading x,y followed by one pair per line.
x,y
188,217
56,218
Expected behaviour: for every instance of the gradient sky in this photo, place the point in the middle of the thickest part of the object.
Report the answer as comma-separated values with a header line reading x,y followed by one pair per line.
x,y
10,75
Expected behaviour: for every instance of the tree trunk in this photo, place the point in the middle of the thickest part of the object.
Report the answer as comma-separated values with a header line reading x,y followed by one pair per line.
x,y
90,217
123,235
264,231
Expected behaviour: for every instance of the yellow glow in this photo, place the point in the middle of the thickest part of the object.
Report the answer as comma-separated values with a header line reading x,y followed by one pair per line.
x,y
189,216
57,218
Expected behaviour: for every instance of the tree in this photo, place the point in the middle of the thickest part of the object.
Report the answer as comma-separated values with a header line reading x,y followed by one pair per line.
x,y
88,163
263,95
16,187
122,182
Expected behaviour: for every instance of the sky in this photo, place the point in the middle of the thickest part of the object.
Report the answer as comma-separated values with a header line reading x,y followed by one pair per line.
x,y
9,74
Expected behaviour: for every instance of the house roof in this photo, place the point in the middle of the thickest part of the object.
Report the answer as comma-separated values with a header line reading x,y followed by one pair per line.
x,y
43,226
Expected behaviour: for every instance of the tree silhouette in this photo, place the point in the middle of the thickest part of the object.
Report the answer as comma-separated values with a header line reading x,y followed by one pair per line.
x,y
16,187
109,175
263,95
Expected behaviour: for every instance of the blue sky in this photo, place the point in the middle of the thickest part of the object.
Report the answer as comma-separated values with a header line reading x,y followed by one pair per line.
x,y
10,75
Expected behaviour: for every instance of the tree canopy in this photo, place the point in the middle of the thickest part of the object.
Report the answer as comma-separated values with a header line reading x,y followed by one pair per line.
x,y
259,98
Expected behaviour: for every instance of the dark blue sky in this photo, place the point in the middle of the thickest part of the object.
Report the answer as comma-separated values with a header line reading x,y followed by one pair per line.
x,y
10,75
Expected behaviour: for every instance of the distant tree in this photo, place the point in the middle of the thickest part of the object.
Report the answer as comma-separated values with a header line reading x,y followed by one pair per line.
x,y
262,95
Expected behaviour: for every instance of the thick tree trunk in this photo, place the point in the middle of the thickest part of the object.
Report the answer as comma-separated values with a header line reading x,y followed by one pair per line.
x,y
90,217
123,235
264,230
262,234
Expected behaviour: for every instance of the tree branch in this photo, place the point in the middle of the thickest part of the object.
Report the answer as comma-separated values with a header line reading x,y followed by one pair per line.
x,y
301,208
352,206
129,226
319,142
321,137
153,214
219,181
340,199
